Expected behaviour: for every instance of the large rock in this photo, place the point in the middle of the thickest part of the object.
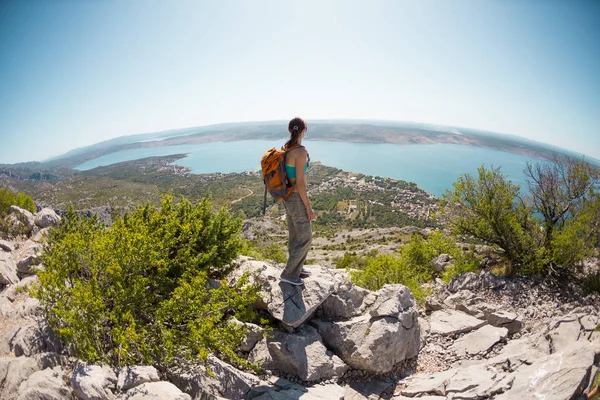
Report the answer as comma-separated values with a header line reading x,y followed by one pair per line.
x,y
395,301
226,381
559,376
6,246
93,382
372,344
22,217
46,218
348,301
451,322
130,377
368,390
292,305
564,332
8,269
282,389
47,385
302,354
504,319
156,391
479,341
254,334
13,371
28,257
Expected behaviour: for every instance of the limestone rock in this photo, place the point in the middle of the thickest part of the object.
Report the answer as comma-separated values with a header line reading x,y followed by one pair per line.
x,y
588,322
473,281
46,218
6,246
561,375
8,269
28,257
254,334
13,371
565,333
375,345
130,377
395,301
441,262
348,301
292,305
47,384
450,322
302,354
282,389
369,390
156,391
23,217
504,319
479,341
227,381
93,382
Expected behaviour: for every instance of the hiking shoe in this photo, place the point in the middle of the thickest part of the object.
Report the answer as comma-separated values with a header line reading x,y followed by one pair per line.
x,y
304,273
295,283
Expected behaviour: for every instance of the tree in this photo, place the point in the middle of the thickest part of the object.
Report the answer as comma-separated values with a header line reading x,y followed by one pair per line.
x,y
491,209
559,191
139,291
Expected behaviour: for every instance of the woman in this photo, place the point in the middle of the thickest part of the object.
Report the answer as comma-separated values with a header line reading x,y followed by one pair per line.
x,y
298,210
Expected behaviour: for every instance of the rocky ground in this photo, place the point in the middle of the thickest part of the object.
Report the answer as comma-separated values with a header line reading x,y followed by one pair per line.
x,y
479,337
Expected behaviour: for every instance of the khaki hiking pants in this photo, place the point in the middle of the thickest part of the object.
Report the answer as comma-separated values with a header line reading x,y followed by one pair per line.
x,y
300,236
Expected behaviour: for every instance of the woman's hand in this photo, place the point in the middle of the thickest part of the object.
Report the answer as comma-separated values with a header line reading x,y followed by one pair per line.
x,y
311,214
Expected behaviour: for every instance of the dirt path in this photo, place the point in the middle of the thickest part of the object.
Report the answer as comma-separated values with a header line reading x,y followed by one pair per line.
x,y
242,198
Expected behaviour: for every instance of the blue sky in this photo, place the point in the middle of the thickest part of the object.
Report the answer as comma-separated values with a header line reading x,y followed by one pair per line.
x,y
73,73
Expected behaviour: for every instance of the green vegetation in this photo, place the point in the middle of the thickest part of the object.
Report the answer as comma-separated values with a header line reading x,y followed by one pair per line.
x,y
8,198
413,266
139,292
558,224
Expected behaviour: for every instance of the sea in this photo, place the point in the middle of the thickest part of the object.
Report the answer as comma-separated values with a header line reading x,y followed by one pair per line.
x,y
433,167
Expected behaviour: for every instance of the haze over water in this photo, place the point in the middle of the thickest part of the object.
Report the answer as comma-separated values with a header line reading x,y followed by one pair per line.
x,y
432,167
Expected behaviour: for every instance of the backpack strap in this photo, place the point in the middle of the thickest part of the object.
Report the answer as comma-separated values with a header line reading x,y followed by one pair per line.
x,y
265,201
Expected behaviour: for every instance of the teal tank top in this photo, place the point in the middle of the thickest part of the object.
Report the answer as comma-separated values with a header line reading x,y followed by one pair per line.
x,y
290,170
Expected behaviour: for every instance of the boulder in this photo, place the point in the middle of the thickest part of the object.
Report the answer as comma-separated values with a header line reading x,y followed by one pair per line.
x,y
562,375
373,344
156,391
6,246
504,319
441,262
46,218
565,332
588,322
254,334
395,301
479,341
93,382
226,381
130,377
8,269
13,371
47,384
302,354
292,305
451,322
369,390
28,257
347,301
22,217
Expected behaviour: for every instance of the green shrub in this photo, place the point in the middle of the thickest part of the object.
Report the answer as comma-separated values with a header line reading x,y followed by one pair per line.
x,y
8,198
138,291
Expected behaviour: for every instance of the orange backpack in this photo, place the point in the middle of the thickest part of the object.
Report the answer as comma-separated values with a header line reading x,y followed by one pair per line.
x,y
274,176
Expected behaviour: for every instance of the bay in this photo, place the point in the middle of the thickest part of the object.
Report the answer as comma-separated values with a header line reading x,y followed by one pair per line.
x,y
433,167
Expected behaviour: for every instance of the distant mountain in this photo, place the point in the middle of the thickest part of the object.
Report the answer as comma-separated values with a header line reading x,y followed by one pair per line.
x,y
374,131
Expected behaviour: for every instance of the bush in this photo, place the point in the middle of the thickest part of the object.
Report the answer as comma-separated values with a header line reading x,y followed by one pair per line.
x,y
138,291
413,266
8,198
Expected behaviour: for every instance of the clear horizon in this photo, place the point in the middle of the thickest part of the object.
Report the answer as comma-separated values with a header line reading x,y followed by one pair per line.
x,y
73,74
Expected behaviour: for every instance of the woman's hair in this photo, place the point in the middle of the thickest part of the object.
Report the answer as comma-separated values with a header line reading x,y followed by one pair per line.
x,y
296,126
